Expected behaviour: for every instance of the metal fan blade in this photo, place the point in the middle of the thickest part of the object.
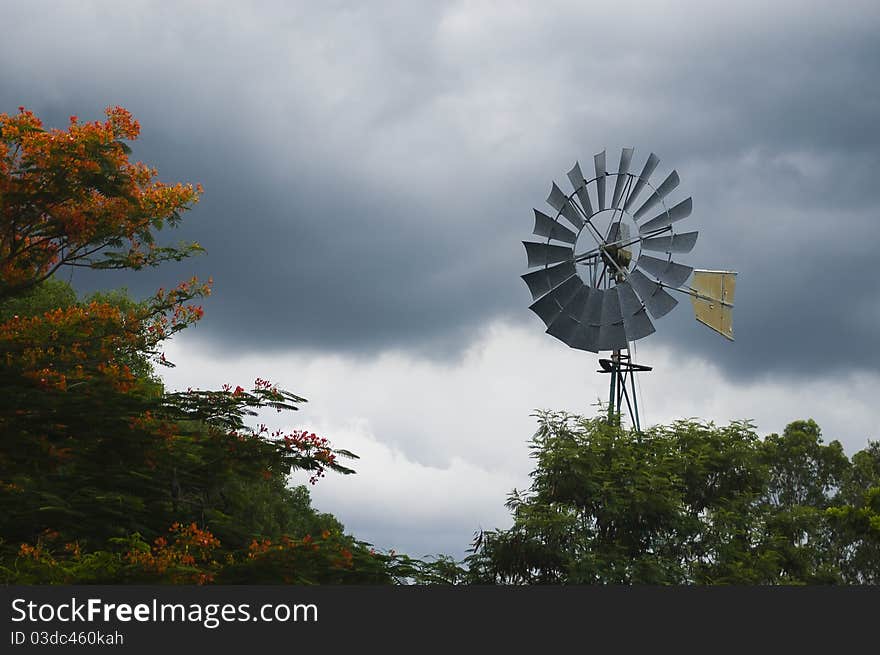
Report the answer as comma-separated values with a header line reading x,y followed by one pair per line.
x,y
684,242
559,201
547,227
563,327
680,211
638,325
592,314
546,279
549,307
612,337
611,307
629,301
599,162
656,299
667,272
566,323
586,338
650,165
575,307
576,177
541,254
625,158
662,191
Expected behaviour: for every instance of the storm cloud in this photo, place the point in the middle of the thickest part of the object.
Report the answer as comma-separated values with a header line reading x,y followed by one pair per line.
x,y
370,170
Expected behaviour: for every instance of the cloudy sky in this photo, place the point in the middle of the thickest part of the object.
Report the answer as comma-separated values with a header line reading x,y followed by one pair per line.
x,y
371,167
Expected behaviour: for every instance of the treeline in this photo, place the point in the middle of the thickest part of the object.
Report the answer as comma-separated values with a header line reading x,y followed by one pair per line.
x,y
688,503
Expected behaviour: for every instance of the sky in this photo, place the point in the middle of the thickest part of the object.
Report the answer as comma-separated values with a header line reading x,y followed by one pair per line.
x,y
371,168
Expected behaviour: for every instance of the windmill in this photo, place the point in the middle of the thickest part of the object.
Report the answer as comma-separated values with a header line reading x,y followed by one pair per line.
x,y
594,285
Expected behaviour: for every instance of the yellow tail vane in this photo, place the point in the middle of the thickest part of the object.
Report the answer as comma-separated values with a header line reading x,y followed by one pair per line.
x,y
713,299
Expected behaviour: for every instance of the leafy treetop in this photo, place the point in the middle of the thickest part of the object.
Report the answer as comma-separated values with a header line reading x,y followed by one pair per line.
x,y
72,197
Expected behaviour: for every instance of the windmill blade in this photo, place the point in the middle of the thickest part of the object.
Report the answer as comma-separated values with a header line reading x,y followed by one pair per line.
x,y
629,301
546,279
576,177
671,243
658,302
592,314
661,192
559,201
575,307
667,272
638,325
680,211
549,307
625,159
599,162
547,227
586,337
611,307
564,326
635,321
650,165
612,336
542,254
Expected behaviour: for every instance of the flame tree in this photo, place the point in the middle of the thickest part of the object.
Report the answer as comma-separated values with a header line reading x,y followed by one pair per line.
x,y
105,476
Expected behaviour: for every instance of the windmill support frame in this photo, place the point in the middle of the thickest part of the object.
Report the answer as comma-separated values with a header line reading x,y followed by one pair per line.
x,y
622,387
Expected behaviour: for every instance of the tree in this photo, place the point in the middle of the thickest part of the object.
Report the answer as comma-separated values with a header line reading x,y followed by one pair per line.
x,y
105,476
70,196
688,503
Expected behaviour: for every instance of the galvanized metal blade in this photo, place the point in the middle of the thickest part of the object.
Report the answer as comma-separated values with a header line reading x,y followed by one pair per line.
x,y
625,159
542,254
593,309
546,279
682,243
667,272
680,211
575,307
650,165
658,302
549,307
611,307
661,192
564,326
579,184
547,227
612,337
638,325
629,301
599,162
586,337
559,201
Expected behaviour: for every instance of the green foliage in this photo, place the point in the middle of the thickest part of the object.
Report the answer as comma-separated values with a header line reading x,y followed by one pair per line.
x,y
43,297
139,363
688,503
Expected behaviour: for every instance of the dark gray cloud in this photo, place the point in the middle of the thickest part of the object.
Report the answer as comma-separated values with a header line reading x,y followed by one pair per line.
x,y
369,172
